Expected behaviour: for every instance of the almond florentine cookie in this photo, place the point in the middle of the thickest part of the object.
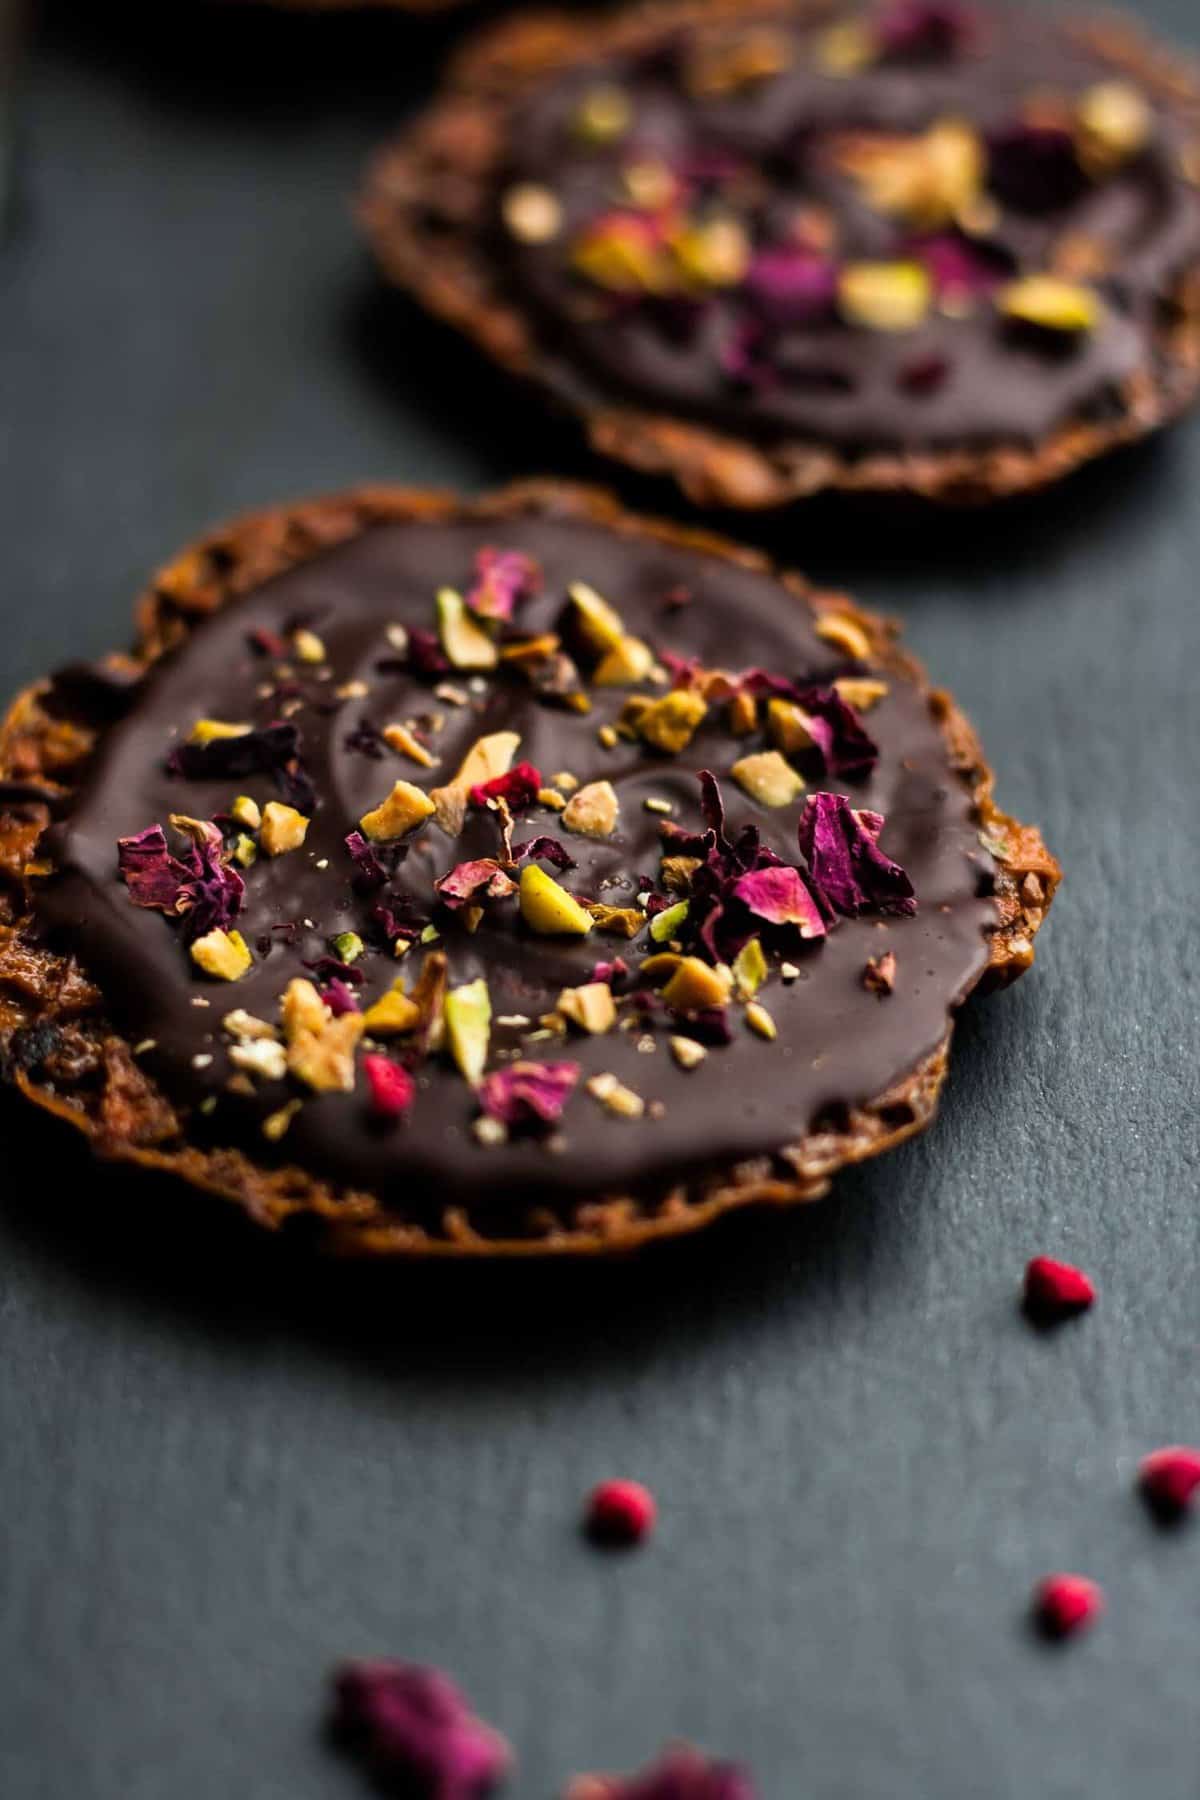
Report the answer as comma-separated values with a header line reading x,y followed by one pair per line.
x,y
505,876
778,247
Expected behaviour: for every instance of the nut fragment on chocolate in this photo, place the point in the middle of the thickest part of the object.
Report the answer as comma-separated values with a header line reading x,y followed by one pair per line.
x,y
419,1033
954,263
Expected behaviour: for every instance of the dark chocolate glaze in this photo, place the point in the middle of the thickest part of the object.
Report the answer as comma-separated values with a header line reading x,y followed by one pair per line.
x,y
852,387
837,1043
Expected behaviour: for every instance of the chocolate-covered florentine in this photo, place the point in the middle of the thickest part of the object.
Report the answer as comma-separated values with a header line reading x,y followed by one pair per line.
x,y
515,874
778,247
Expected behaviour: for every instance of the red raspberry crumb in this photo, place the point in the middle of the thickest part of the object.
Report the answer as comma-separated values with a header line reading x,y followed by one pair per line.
x,y
1055,1287
392,1088
621,1512
1170,1477
1065,1604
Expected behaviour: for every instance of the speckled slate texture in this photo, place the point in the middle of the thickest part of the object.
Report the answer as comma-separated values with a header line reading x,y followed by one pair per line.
x,y
222,1469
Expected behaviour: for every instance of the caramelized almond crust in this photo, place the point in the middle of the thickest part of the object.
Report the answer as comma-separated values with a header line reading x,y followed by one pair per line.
x,y
59,1048
426,199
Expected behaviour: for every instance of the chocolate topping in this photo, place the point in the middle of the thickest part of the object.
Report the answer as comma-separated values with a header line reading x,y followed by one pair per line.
x,y
712,194
834,1047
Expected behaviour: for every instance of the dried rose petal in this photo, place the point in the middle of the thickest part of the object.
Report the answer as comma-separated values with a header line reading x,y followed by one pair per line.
x,y
527,1093
1065,1604
1170,1477
339,998
620,1512
745,357
681,1773
545,849
483,879
789,286
393,1089
846,746
502,577
425,653
614,972
413,1726
779,896
266,643
959,266
272,750
845,862
922,30
1056,1287
149,871
369,869
518,787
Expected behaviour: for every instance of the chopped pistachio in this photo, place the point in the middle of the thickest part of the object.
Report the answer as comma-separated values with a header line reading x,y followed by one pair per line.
x,y
308,646
653,804
247,812
1050,303
677,872
743,714
241,1024
347,946
467,1015
262,1057
593,811
352,690
884,296
749,969
759,1020
670,723
714,253
548,796
397,638
862,694
283,828
224,954
879,975
245,850
695,985
926,179
768,778
452,695
207,731
788,726
488,757
302,1009
687,1052
615,1097
650,183
591,1007
621,921
490,1131
404,742
599,624
532,213
466,643
628,662
275,1125
664,925
429,934
844,634
565,781
1112,124
604,114
324,1060
405,808
845,48
548,908
606,737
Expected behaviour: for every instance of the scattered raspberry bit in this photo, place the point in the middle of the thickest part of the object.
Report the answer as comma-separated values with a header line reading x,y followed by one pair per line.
x,y
1065,1604
621,1512
681,1773
393,1089
1055,1288
1170,1478
413,1727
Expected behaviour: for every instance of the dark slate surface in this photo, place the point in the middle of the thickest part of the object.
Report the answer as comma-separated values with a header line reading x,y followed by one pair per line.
x,y
224,1469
